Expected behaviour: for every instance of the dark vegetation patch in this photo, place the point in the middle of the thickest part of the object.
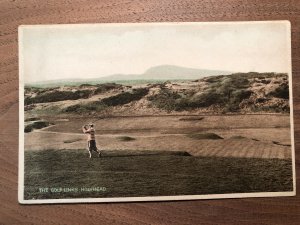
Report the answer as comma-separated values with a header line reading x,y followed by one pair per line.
x,y
200,136
36,125
278,143
167,100
102,88
56,95
32,119
281,92
192,118
125,138
153,173
125,97
238,137
72,140
85,85
119,99
270,108
254,139
82,108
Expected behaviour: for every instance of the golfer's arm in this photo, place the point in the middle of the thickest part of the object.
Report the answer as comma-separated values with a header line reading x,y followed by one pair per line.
x,y
84,130
87,131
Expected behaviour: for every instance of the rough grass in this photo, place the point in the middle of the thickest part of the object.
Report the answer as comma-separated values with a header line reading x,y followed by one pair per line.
x,y
200,136
150,173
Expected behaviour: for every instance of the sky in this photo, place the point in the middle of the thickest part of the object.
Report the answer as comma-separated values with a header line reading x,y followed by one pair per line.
x,y
52,52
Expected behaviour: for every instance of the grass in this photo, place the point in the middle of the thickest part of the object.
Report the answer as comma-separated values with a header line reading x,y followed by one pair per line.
x,y
150,173
125,138
200,136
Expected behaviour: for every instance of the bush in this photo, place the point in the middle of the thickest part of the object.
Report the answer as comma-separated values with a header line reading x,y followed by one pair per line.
x,y
206,99
125,97
281,92
166,100
236,98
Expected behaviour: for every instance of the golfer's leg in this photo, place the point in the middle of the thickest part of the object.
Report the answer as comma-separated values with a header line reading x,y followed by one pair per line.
x,y
98,151
89,150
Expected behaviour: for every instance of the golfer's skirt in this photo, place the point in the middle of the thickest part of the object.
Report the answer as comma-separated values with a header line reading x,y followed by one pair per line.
x,y
92,145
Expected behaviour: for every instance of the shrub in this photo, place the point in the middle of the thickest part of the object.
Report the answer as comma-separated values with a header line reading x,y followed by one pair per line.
x,y
236,98
281,92
125,97
165,99
206,99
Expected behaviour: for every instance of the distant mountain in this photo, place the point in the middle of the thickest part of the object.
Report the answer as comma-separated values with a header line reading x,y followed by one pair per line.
x,y
162,72
168,72
178,72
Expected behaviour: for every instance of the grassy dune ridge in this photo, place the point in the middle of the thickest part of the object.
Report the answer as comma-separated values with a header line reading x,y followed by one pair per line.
x,y
240,92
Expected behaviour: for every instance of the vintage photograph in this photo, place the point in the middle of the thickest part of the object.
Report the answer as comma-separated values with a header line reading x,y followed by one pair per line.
x,y
155,111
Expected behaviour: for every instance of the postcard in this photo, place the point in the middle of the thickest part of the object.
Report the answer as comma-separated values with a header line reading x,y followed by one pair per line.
x,y
155,111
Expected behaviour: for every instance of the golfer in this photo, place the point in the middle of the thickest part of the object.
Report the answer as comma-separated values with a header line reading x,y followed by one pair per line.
x,y
90,131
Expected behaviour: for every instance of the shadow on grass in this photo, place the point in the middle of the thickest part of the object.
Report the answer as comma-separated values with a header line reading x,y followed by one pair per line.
x,y
149,173
131,153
